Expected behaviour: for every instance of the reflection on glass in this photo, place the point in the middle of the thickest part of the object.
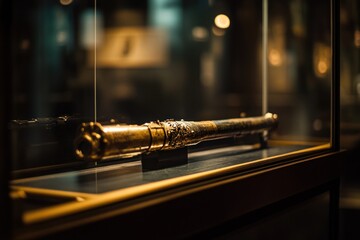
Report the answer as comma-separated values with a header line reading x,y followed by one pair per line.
x,y
218,31
275,57
88,28
200,33
322,58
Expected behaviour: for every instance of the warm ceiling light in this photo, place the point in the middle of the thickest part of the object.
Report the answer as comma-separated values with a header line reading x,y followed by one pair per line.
x,y
222,21
66,2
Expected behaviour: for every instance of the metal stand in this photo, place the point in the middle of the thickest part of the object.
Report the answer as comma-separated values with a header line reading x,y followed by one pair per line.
x,y
263,140
164,159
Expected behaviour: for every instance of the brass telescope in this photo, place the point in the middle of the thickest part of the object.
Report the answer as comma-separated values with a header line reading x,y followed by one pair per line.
x,y
97,142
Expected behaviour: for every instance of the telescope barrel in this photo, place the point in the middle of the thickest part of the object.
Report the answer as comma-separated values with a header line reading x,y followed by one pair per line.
x,y
96,141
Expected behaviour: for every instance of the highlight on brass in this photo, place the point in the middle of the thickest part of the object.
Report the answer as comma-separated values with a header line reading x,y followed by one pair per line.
x,y
96,141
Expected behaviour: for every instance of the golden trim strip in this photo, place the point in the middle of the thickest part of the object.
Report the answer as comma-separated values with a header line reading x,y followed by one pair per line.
x,y
54,193
277,142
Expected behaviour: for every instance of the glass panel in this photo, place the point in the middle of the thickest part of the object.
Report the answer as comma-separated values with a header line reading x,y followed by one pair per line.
x,y
133,62
52,81
300,71
138,62
350,74
161,59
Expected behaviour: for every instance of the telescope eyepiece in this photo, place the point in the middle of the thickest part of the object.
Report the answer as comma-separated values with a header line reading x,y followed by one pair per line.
x,y
88,145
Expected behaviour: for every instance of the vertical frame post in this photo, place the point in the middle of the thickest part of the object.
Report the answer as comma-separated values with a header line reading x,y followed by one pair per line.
x,y
335,84
5,115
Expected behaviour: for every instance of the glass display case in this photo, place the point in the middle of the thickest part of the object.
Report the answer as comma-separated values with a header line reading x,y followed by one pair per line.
x,y
124,65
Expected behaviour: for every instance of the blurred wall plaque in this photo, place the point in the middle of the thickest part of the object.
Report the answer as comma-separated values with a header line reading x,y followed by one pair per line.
x,y
132,47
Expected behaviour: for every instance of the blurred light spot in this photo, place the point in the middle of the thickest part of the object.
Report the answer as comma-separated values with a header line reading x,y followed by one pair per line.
x,y
88,29
218,32
317,125
208,70
61,37
66,2
275,58
165,13
25,44
222,21
232,100
322,67
344,16
200,33
357,38
321,59
18,194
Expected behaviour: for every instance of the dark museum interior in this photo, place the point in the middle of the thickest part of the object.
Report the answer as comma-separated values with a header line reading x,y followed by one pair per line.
x,y
180,119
